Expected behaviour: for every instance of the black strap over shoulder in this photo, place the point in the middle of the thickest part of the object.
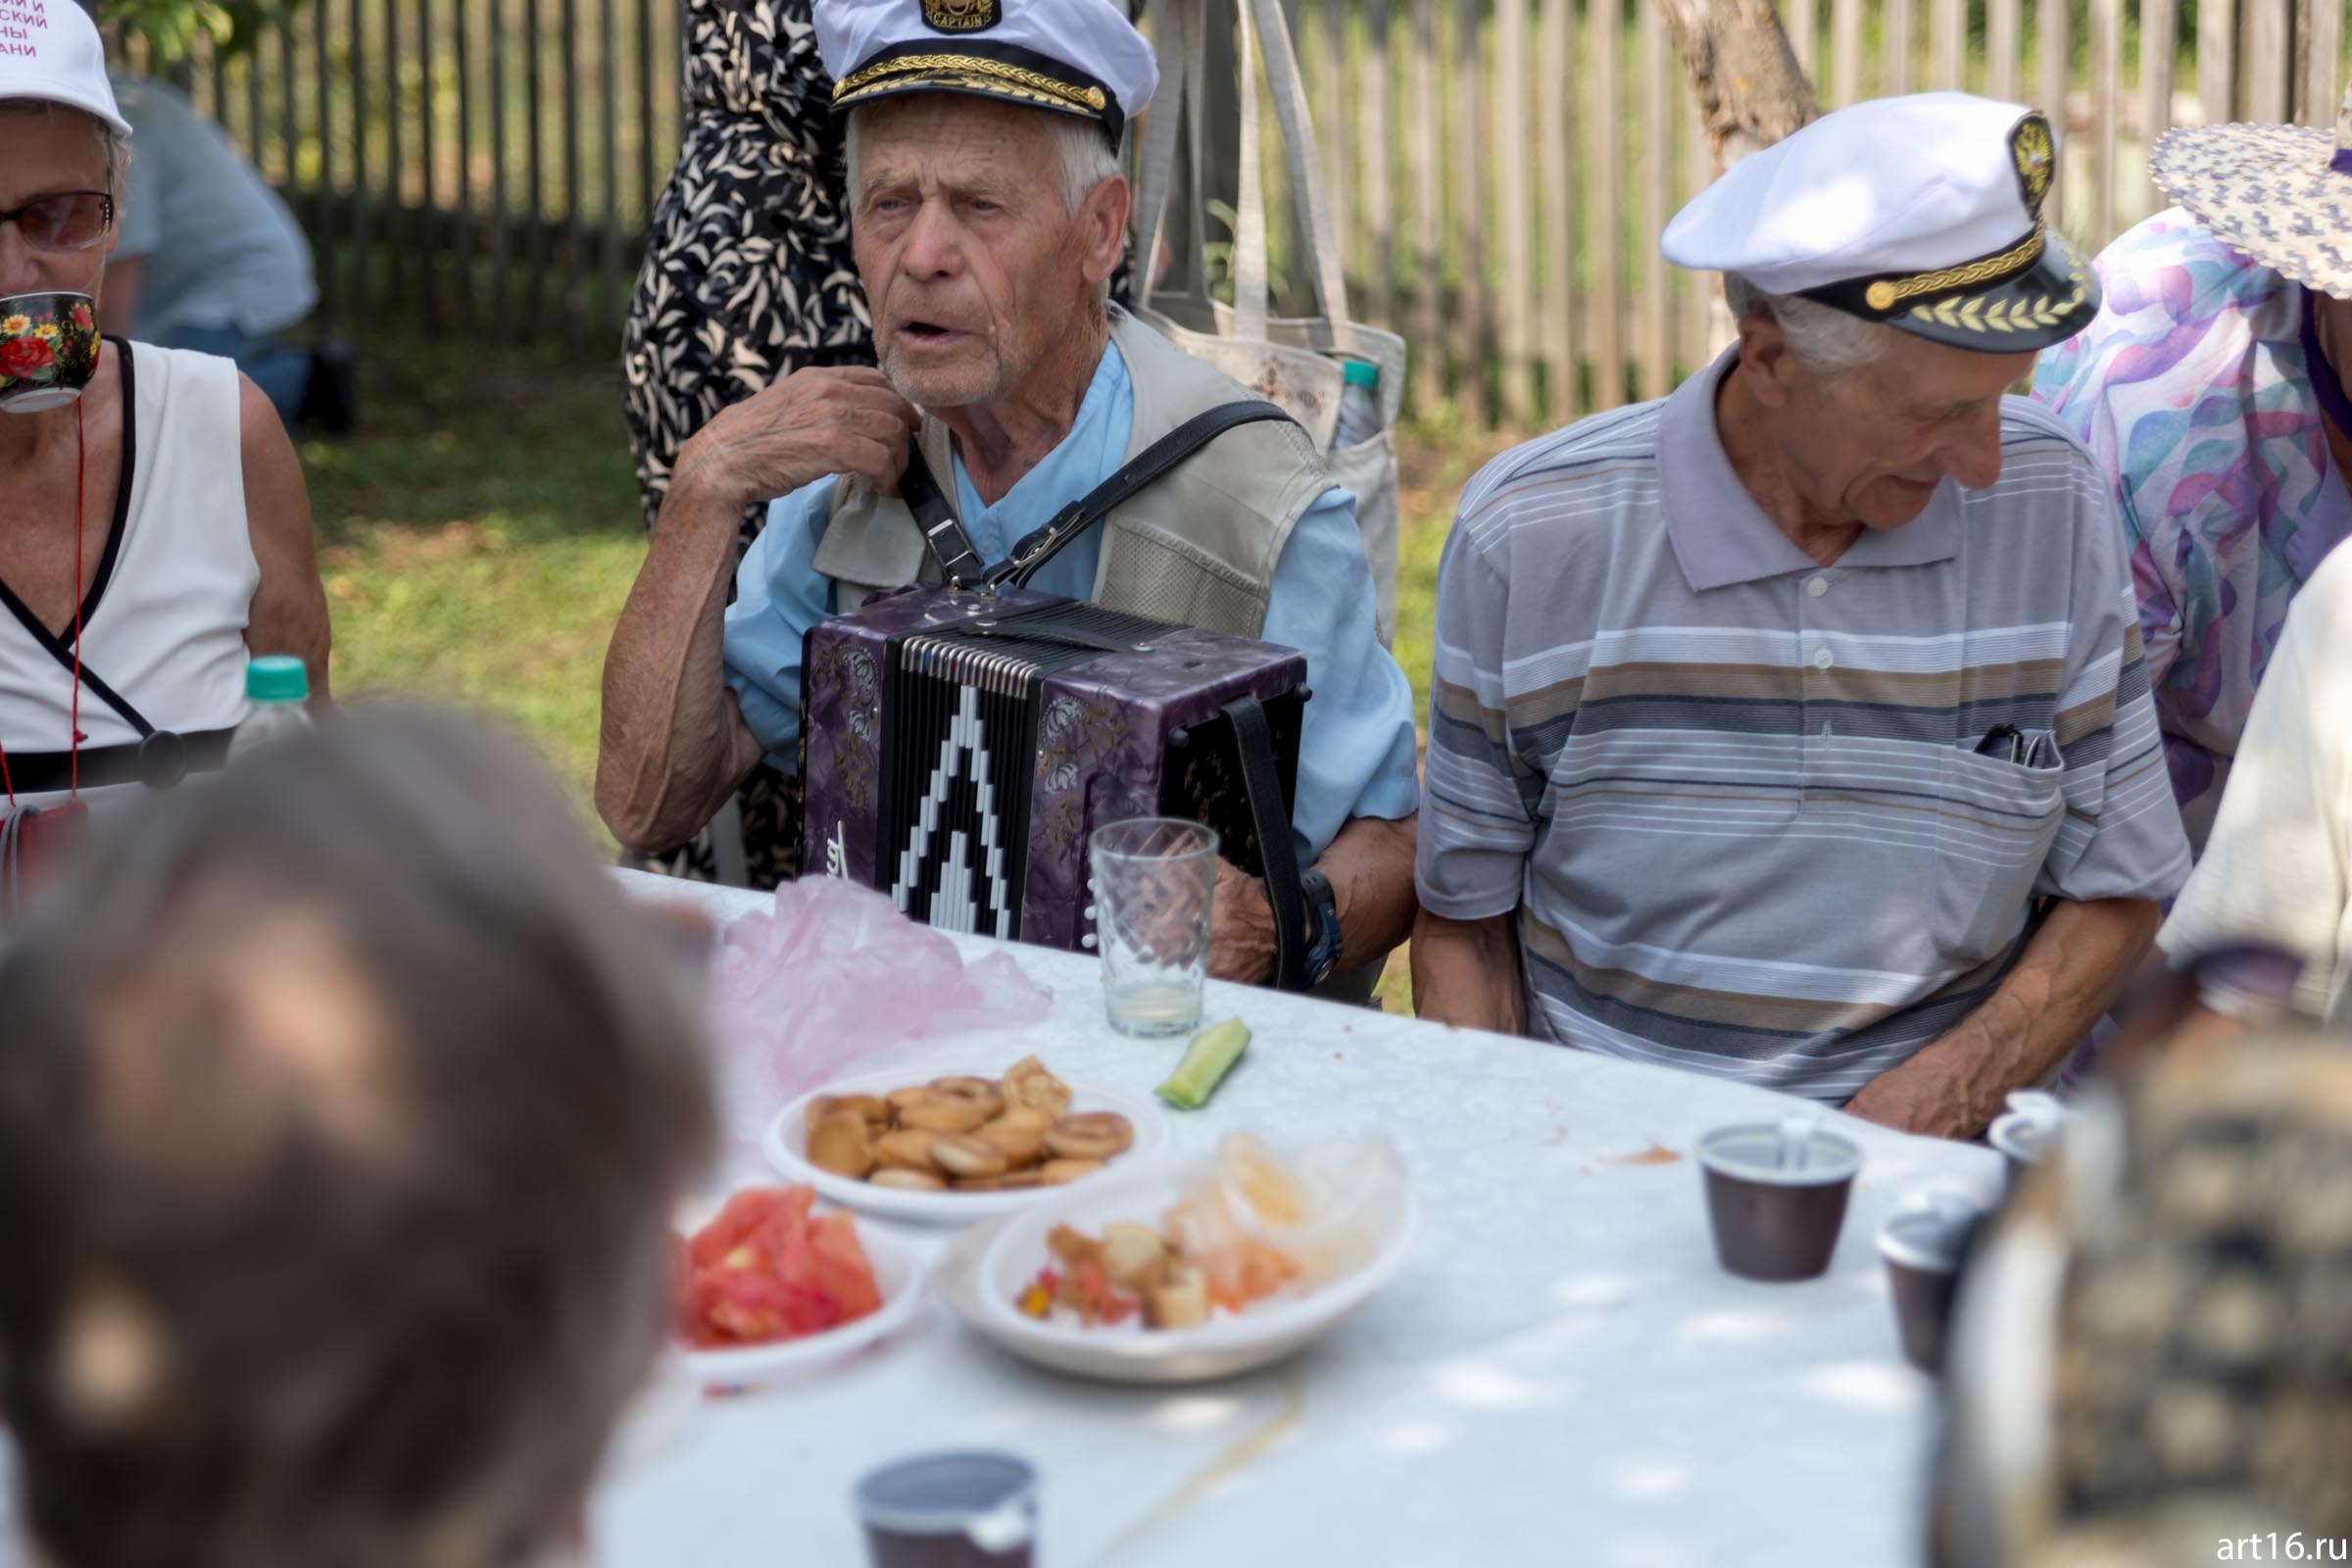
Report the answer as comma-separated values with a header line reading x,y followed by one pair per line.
x,y
1030,556
951,547
948,544
1270,818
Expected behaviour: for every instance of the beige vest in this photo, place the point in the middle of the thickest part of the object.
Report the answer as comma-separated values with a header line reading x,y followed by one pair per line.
x,y
1198,546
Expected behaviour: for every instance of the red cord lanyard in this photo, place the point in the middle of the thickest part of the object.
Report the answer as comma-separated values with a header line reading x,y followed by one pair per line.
x,y
74,718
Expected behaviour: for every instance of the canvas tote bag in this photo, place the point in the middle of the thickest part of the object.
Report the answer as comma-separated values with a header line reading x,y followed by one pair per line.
x,y
1294,362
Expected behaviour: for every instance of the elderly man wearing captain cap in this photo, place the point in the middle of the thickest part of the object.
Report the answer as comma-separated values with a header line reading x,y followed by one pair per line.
x,y
988,215
1794,728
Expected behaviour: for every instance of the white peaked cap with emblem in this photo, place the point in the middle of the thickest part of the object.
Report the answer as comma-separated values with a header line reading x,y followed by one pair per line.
x,y
60,61
1073,57
1923,212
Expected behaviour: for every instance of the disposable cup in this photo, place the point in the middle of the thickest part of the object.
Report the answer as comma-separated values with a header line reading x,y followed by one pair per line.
x,y
1777,1208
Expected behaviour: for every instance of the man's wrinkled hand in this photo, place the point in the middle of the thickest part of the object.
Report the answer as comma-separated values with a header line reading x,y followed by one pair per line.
x,y
1241,928
1911,1098
816,422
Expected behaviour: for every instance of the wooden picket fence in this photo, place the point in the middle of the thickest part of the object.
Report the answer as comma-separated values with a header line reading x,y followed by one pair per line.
x,y
487,164
1502,171
1499,169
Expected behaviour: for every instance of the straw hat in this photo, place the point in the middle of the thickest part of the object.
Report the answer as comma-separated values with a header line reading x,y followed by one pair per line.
x,y
2279,194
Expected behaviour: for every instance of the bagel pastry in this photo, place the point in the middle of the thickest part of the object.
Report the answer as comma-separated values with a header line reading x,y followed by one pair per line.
x,y
979,1091
1027,1083
965,1133
1019,1143
908,1149
839,1145
1010,1181
1096,1135
943,1113
963,1154
873,1107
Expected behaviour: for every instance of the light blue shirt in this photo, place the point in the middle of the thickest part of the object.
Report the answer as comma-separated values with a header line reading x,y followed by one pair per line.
x,y
1357,751
222,249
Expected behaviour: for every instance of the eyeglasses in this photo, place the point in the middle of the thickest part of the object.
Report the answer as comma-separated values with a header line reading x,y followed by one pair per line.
x,y
70,220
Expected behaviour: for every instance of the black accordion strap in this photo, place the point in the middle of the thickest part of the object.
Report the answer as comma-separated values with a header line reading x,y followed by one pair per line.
x,y
1270,818
1030,556
943,533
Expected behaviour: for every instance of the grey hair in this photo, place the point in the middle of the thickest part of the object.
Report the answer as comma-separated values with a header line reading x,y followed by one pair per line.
x,y
1820,337
1086,156
111,143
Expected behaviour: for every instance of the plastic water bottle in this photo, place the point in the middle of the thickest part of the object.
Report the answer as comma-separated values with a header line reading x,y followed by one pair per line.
x,y
277,689
1359,405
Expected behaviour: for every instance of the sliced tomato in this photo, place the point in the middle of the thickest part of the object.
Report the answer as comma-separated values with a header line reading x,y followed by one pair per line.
x,y
767,1269
838,1263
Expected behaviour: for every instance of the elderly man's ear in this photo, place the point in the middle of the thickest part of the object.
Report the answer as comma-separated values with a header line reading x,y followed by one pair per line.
x,y
1101,227
1765,359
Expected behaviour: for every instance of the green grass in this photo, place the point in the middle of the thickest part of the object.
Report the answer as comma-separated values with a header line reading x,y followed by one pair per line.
x,y
479,537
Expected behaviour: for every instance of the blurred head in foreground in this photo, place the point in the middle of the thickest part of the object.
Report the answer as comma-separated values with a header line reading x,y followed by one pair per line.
x,y
342,1109
2153,1356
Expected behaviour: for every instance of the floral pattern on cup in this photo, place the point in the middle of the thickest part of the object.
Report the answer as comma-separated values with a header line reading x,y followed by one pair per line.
x,y
46,341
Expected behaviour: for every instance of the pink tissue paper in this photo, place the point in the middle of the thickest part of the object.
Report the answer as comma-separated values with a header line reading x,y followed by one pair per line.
x,y
836,982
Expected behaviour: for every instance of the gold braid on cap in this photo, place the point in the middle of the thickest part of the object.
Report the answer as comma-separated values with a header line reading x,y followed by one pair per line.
x,y
1013,81
1886,293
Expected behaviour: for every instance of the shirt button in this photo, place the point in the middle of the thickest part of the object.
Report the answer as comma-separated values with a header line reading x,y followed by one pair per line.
x,y
1822,659
1817,586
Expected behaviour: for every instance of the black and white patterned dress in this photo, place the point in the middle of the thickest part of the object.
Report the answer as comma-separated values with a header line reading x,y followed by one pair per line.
x,y
748,276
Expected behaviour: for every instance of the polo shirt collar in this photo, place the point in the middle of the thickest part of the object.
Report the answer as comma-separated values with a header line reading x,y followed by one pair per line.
x,y
1720,536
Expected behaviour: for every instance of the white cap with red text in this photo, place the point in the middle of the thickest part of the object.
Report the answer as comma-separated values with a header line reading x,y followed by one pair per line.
x,y
49,50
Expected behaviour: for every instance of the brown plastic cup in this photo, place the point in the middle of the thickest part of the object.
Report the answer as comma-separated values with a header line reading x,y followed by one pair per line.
x,y
1777,1217
950,1510
1924,1242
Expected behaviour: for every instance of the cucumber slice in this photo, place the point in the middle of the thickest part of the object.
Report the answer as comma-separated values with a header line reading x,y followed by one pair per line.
x,y
1206,1060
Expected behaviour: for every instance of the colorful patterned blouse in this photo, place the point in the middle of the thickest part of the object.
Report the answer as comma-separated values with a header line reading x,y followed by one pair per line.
x,y
2193,391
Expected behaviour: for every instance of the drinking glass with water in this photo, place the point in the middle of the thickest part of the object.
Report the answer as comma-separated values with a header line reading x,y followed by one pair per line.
x,y
1156,881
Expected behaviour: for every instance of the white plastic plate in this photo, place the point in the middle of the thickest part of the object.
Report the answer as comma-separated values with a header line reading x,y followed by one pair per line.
x,y
899,1274
981,1275
787,1146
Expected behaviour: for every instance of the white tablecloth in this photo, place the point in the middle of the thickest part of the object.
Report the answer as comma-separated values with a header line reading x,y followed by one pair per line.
x,y
1562,1375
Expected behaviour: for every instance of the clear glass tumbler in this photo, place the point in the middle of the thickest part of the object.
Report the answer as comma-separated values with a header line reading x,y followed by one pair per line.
x,y
1155,879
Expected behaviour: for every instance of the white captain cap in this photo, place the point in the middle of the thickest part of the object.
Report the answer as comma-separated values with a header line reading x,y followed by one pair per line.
x,y
1073,57
1922,212
59,60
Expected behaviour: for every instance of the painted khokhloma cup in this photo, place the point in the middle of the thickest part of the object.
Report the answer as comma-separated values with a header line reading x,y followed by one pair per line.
x,y
48,350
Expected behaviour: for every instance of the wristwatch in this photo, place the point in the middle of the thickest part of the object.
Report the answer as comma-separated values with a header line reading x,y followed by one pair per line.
x,y
1322,926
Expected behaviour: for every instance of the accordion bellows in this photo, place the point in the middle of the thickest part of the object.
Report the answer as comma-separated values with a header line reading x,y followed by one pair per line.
x,y
959,750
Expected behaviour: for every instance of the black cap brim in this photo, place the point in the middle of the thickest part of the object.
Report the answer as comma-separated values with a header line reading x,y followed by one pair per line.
x,y
1000,74
2038,292
2047,303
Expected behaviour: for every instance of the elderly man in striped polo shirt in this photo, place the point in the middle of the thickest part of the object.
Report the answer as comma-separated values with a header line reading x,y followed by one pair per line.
x,y
1794,728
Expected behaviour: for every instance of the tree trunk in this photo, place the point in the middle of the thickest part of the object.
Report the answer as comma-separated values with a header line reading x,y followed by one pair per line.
x,y
1751,91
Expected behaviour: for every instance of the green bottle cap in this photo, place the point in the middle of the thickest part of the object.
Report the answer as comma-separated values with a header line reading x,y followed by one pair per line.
x,y
1361,372
277,678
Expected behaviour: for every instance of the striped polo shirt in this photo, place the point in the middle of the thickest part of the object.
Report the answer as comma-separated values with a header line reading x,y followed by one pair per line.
x,y
1735,796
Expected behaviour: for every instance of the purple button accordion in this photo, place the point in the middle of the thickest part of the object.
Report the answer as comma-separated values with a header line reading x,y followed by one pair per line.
x,y
959,750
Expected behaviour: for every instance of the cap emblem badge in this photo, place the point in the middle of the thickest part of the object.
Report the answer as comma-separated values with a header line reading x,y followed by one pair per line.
x,y
2035,154
962,15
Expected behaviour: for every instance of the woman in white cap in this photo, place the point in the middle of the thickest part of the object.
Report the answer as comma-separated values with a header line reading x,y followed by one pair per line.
x,y
2211,388
154,526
